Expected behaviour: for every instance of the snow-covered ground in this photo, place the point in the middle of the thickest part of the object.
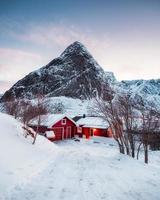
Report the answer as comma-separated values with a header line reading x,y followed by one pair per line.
x,y
19,159
72,107
88,169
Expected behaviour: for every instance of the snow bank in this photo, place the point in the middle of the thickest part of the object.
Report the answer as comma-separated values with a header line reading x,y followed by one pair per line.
x,y
92,170
72,107
19,159
85,169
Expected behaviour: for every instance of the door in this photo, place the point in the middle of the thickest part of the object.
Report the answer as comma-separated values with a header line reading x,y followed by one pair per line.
x,y
68,132
91,132
59,133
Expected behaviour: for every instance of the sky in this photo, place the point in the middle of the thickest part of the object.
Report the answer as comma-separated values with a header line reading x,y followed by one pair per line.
x,y
122,35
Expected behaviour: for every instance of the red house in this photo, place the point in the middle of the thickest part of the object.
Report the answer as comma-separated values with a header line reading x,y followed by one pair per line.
x,y
56,127
93,126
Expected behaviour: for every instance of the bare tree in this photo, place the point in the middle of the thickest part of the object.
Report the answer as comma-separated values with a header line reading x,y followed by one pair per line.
x,y
58,108
11,107
108,109
149,127
131,125
40,108
127,113
28,111
33,110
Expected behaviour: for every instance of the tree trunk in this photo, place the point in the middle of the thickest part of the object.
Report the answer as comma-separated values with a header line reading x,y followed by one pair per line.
x,y
146,154
122,149
35,137
127,151
133,153
138,150
34,140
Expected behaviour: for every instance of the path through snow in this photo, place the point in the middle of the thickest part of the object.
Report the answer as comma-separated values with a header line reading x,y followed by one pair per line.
x,y
91,171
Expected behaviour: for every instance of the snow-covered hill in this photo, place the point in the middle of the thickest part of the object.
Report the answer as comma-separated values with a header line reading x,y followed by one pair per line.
x,y
71,107
148,90
92,170
19,159
88,169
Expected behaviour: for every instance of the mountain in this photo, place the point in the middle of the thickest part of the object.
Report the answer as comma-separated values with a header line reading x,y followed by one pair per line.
x,y
110,77
74,74
148,90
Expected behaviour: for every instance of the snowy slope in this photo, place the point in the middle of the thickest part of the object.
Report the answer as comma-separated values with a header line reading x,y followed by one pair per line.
x,y
72,107
75,73
19,159
148,90
89,169
92,170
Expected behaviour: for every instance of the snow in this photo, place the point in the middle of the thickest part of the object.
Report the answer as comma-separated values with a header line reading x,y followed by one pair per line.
x,y
148,90
50,119
19,159
92,170
72,107
88,169
50,134
94,122
110,77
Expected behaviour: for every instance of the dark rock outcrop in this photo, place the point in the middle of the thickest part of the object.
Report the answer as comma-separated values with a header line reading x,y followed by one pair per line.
x,y
74,74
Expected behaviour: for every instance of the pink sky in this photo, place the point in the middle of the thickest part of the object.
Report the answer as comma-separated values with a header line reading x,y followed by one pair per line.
x,y
123,36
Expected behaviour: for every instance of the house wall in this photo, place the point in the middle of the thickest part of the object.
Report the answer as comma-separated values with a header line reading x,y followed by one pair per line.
x,y
64,131
87,132
100,132
109,132
41,129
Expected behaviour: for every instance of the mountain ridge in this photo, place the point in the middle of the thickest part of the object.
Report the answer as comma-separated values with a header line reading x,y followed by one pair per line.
x,y
76,74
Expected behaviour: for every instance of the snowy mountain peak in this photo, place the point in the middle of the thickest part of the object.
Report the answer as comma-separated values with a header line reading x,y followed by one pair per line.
x,y
75,73
110,77
75,47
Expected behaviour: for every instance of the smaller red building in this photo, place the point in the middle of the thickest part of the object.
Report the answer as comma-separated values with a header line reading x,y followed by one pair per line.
x,y
93,126
56,127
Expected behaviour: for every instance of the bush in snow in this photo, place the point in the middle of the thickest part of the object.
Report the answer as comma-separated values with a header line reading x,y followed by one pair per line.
x,y
130,125
57,108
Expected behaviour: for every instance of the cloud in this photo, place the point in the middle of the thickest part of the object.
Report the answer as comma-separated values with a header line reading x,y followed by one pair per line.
x,y
128,59
60,36
4,85
14,63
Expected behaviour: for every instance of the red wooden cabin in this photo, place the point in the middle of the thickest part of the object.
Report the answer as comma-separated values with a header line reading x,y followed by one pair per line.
x,y
93,126
56,127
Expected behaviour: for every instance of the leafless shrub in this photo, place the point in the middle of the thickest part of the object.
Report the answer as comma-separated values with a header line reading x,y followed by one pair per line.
x,y
131,125
11,107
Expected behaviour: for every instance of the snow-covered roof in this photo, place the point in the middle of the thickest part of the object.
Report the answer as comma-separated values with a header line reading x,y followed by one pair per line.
x,y
50,119
50,134
94,122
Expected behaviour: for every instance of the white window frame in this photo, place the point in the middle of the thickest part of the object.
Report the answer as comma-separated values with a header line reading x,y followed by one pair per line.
x,y
63,121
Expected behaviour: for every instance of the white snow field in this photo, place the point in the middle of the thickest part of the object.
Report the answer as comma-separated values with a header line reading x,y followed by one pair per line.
x,y
19,159
70,170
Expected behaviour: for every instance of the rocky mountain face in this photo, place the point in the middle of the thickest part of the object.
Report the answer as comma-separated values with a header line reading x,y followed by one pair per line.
x,y
74,74
148,90
145,87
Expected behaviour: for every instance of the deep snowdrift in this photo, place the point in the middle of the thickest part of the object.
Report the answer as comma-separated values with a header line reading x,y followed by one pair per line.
x,y
19,159
88,169
92,170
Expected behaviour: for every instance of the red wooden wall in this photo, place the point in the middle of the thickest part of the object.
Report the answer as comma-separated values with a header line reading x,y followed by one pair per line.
x,y
64,131
96,132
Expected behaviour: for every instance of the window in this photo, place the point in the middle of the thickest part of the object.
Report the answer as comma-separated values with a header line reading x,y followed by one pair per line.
x,y
63,121
79,129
